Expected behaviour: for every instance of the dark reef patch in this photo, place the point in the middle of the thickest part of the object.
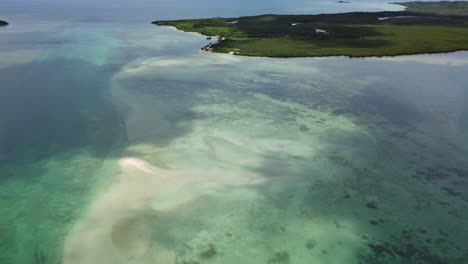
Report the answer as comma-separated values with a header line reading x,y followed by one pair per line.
x,y
451,191
280,257
413,246
311,244
209,253
371,205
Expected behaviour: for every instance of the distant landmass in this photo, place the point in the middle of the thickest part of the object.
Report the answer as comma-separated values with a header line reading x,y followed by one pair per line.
x,y
448,8
424,27
3,23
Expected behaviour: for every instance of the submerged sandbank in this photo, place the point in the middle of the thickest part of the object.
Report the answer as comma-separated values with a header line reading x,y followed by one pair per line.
x,y
119,226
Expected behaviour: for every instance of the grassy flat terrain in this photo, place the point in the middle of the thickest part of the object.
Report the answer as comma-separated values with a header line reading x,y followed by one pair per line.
x,y
420,30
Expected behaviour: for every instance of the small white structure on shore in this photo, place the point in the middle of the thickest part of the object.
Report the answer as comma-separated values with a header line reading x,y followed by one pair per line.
x,y
233,22
321,31
295,24
385,18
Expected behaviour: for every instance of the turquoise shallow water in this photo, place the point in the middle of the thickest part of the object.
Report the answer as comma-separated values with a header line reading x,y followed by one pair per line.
x,y
120,142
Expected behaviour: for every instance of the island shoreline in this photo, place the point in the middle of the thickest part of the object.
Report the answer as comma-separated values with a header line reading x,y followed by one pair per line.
x,y
353,34
324,56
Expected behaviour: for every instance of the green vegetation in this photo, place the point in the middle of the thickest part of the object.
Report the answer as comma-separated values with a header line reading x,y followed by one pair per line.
x,y
208,27
357,34
3,23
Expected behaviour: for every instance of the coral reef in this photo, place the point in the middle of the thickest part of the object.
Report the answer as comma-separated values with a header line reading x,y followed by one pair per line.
x,y
208,253
280,257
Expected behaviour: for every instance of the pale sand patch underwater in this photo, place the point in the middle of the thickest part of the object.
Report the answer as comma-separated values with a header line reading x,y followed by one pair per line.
x,y
118,227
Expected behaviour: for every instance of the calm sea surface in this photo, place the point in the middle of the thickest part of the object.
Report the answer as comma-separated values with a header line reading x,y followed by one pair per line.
x,y
121,142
